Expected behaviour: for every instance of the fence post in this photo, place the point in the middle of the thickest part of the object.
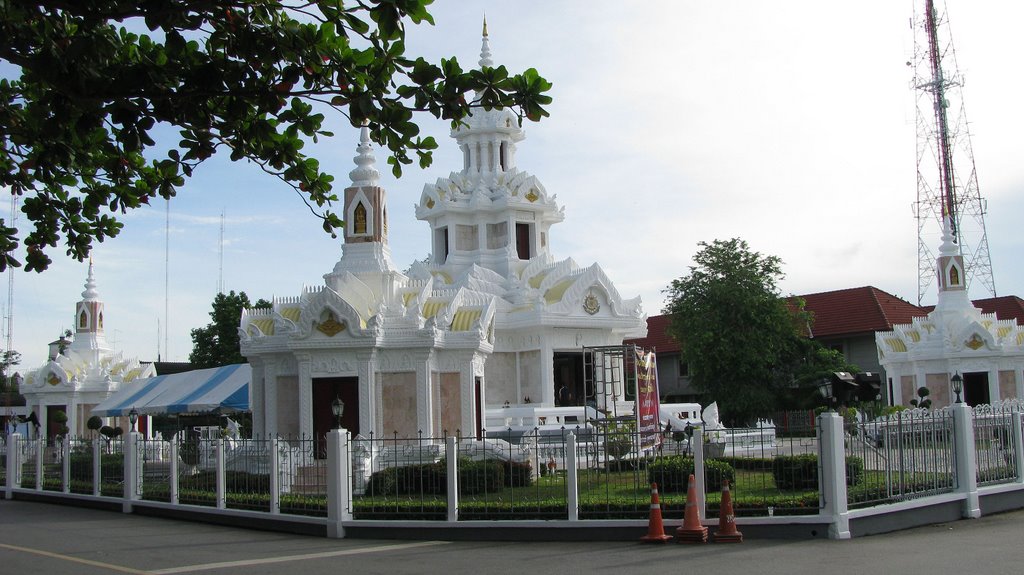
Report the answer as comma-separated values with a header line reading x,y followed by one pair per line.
x,y
65,464
698,471
1018,443
337,483
571,478
131,463
275,475
222,487
832,475
40,454
451,455
966,459
13,464
97,459
173,479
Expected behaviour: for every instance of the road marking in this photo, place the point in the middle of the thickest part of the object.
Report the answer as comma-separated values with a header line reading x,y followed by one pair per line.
x,y
285,559
74,559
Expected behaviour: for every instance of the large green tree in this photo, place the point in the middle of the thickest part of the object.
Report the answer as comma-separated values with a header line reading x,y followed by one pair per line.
x,y
743,342
217,343
94,80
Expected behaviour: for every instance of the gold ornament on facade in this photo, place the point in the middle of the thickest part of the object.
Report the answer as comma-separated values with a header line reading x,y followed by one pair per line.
x,y
590,304
430,203
532,196
975,342
331,327
53,379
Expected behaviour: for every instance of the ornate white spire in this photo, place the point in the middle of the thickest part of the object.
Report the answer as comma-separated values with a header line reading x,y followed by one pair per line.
x,y
485,50
90,293
366,173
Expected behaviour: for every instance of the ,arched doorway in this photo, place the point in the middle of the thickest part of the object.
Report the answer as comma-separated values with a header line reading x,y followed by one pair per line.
x,y
976,388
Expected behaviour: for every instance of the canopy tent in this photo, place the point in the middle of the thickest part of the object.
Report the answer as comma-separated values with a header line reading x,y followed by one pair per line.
x,y
215,390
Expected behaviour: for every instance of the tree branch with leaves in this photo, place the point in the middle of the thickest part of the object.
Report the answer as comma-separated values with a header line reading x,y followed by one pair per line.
x,y
253,79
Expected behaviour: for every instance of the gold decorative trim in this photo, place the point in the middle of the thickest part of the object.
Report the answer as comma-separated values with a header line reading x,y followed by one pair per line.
x,y
591,305
430,203
532,196
975,342
331,327
53,379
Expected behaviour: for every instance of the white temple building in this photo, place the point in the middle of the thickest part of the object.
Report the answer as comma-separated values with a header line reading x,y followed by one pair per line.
x,y
81,373
493,319
955,337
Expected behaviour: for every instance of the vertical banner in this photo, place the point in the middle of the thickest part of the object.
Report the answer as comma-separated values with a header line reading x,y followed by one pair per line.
x,y
648,416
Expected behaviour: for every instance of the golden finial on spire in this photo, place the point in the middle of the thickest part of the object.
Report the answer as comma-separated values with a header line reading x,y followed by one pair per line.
x,y
485,24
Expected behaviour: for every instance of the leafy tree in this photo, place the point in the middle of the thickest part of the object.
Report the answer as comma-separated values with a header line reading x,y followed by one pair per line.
x,y
217,343
742,341
9,392
98,81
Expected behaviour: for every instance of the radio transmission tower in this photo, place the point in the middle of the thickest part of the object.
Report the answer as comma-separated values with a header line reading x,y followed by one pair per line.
x,y
947,182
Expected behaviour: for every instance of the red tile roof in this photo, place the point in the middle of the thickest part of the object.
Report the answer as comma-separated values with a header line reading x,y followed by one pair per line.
x,y
858,310
657,338
1005,307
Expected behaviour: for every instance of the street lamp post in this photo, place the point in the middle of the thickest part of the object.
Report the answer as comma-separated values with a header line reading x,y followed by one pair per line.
x,y
958,385
826,391
338,408
133,418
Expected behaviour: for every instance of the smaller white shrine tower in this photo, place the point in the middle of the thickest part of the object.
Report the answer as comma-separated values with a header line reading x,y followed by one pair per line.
x,y
81,373
955,337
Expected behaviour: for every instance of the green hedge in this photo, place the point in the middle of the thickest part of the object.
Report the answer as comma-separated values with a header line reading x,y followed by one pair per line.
x,y
797,472
486,476
111,466
672,473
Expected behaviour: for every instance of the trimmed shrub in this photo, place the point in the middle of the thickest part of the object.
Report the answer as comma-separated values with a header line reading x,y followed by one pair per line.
x,y
800,472
111,466
487,476
673,473
518,474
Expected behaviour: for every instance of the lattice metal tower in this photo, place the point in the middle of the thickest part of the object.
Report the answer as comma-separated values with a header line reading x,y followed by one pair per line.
x,y
947,182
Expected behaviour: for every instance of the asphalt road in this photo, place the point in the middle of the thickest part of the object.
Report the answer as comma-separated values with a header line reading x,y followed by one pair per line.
x,y
54,539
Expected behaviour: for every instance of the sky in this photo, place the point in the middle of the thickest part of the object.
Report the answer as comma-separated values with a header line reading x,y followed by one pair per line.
x,y
789,124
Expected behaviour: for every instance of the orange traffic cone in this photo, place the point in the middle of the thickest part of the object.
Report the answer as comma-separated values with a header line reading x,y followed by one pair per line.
x,y
691,531
727,532
655,529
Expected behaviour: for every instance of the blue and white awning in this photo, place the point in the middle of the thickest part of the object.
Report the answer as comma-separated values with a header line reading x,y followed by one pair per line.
x,y
215,390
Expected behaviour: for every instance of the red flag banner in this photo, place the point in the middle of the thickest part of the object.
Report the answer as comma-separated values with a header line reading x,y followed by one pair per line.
x,y
648,417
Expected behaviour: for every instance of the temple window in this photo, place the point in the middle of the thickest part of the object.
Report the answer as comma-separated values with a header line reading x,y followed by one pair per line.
x,y
83,321
954,276
359,215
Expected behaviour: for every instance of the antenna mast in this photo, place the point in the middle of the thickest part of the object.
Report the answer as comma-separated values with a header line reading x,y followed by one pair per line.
x,y
947,181
220,272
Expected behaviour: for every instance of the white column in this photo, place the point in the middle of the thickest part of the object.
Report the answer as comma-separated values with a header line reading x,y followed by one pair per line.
x,y
65,464
966,458
994,393
832,480
275,475
305,398
1018,443
424,398
173,483
221,478
698,472
572,497
270,373
13,464
131,466
339,493
451,452
257,388
97,465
